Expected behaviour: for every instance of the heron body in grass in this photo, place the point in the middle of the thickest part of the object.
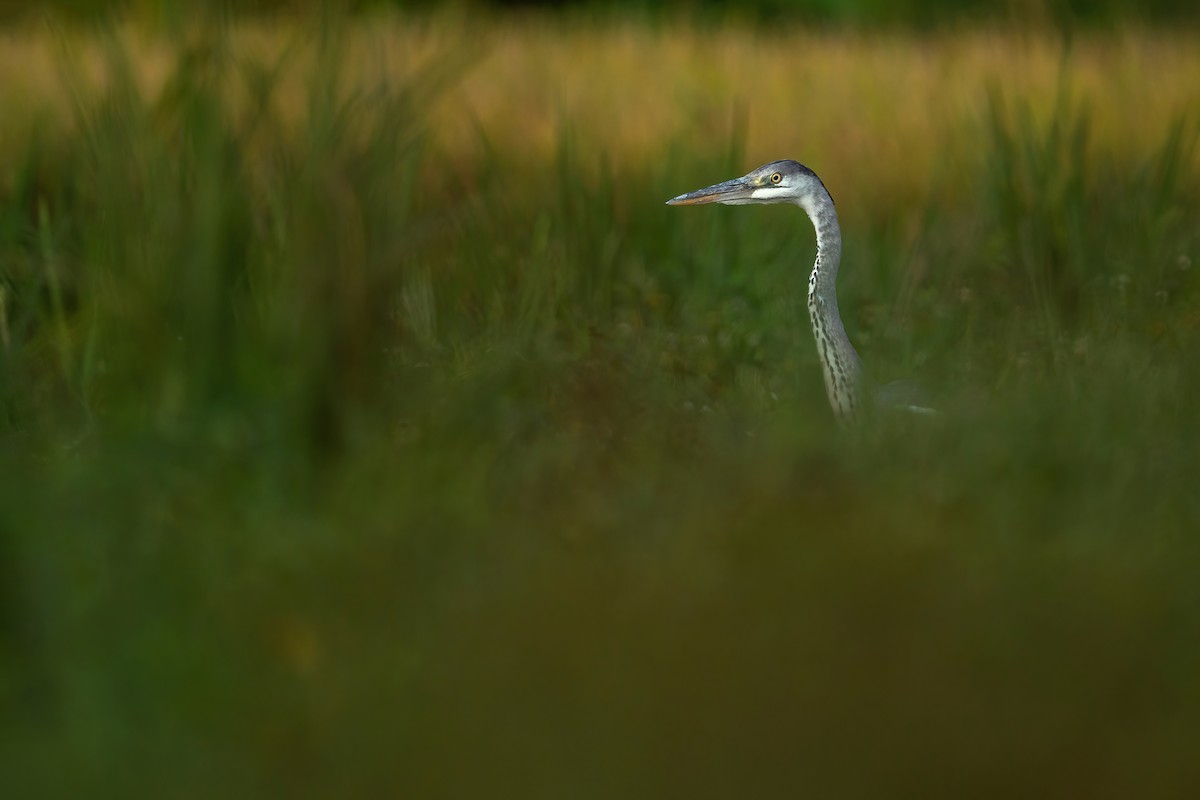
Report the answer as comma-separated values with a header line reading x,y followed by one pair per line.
x,y
850,392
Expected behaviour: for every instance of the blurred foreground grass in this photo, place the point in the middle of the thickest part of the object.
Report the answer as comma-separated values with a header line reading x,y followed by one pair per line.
x,y
368,429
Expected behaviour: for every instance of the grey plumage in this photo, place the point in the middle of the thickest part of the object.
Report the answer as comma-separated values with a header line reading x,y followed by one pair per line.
x,y
792,182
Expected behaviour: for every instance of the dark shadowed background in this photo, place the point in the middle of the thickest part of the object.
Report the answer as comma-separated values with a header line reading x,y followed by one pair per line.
x,y
369,427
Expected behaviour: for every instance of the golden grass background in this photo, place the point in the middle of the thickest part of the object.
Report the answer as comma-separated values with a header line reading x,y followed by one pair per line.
x,y
884,115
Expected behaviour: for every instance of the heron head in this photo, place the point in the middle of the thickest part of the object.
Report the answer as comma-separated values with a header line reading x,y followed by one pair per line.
x,y
777,182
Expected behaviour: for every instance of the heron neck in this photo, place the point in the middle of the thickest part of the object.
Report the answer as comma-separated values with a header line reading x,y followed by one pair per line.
x,y
839,360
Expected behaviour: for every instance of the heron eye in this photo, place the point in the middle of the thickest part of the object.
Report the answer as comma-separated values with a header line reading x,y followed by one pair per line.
x,y
776,178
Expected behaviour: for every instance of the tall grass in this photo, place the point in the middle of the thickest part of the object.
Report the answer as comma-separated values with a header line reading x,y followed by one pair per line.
x,y
347,455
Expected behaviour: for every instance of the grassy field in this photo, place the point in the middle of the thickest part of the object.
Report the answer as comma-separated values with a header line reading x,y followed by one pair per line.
x,y
368,426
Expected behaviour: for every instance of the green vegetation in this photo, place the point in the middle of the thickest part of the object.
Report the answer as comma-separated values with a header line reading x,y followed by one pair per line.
x,y
864,13
338,463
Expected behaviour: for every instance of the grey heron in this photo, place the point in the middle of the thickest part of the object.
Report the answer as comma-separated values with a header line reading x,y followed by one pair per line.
x,y
792,182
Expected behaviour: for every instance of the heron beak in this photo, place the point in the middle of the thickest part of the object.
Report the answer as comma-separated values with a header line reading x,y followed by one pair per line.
x,y
729,191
